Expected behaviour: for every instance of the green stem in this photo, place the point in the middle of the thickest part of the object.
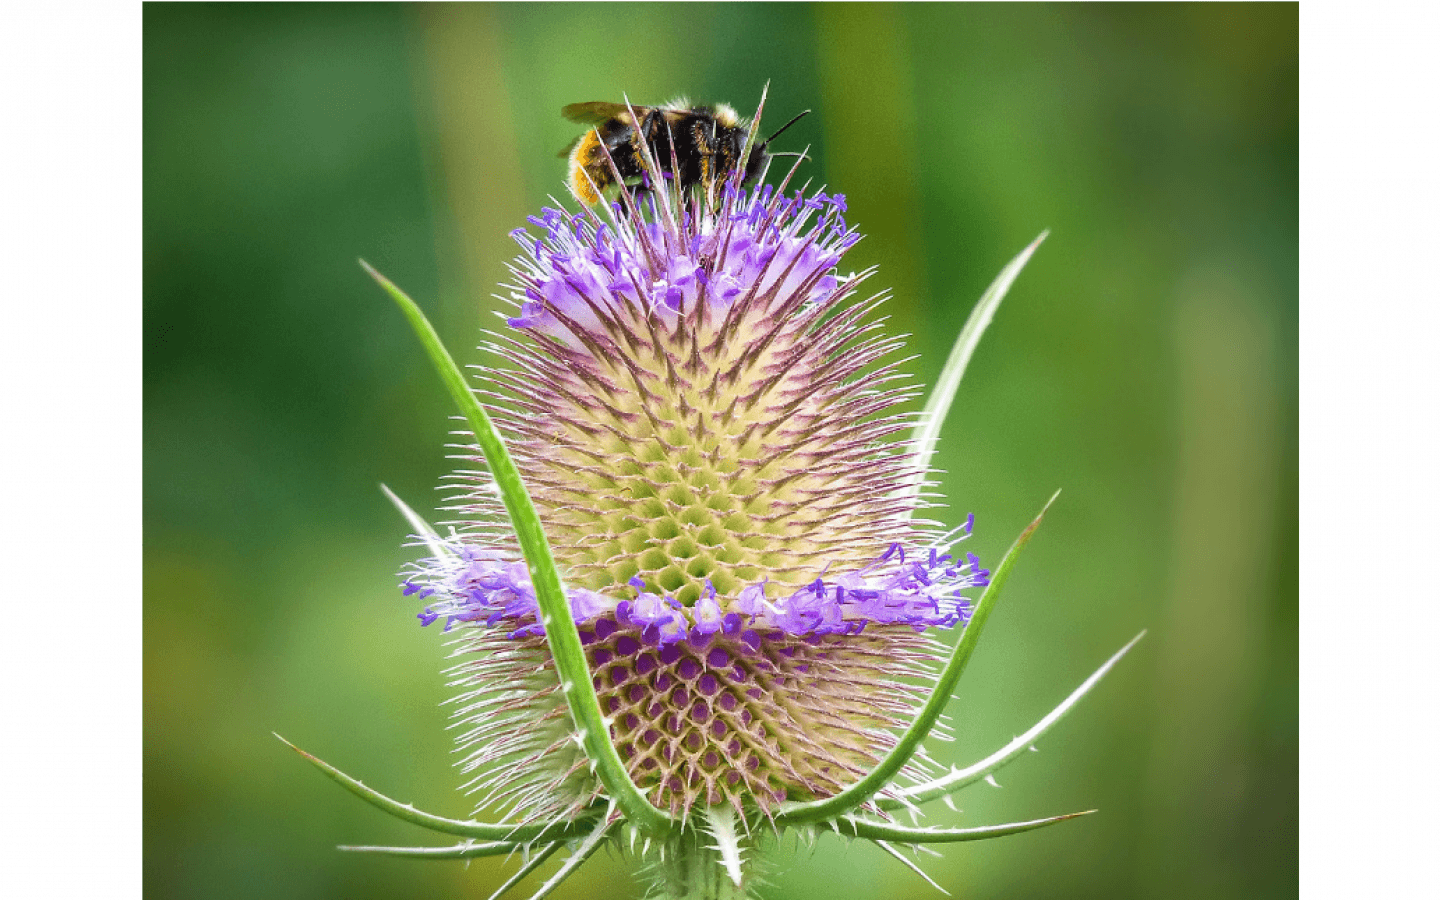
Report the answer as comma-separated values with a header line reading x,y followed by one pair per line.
x,y
692,869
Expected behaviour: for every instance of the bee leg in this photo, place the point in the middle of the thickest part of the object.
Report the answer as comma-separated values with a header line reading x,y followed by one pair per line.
x,y
705,147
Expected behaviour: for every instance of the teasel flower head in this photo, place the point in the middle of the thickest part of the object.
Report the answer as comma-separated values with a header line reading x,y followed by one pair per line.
x,y
707,433
735,630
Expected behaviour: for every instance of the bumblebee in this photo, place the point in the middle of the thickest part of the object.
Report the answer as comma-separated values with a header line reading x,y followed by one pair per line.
x,y
701,145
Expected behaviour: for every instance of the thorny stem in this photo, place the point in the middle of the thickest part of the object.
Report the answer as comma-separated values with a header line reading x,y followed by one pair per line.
x,y
693,870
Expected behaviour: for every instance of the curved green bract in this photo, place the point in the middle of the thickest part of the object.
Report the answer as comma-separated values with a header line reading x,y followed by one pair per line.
x,y
587,849
423,529
949,784
883,831
560,630
484,831
889,767
937,405
535,862
900,857
459,851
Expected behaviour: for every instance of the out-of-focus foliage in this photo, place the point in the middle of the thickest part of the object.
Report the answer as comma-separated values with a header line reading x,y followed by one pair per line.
x,y
1145,362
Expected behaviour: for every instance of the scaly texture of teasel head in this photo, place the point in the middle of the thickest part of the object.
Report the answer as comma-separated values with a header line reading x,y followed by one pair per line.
x,y
706,427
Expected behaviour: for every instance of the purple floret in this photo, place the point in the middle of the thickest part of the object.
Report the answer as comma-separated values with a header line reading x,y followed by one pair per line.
x,y
581,271
896,589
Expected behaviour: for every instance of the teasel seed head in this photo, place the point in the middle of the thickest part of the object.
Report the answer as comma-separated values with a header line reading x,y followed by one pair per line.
x,y
706,420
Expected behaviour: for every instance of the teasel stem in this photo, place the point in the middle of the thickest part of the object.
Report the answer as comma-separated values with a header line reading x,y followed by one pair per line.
x,y
691,868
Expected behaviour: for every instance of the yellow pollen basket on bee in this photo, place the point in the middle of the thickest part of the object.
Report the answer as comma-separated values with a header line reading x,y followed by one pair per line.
x,y
694,145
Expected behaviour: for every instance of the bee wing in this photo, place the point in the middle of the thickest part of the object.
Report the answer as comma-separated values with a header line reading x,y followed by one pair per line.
x,y
597,111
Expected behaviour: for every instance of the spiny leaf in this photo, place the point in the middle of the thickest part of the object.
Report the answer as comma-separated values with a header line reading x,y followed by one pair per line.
x,y
959,778
583,852
467,850
465,828
911,865
937,405
721,821
535,862
883,831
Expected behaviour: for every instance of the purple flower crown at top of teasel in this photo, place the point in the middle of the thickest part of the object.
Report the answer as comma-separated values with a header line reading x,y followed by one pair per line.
x,y
583,275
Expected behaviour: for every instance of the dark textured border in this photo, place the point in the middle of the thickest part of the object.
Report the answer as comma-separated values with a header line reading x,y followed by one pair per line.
x,y
69,450
1370,392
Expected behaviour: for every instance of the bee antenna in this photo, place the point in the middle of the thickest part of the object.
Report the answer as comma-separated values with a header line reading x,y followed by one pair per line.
x,y
785,126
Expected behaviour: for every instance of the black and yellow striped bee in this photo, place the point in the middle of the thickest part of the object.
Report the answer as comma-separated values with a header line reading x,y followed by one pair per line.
x,y
700,145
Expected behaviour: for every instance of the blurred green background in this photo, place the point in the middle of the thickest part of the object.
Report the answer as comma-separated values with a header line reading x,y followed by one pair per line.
x,y
1145,363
